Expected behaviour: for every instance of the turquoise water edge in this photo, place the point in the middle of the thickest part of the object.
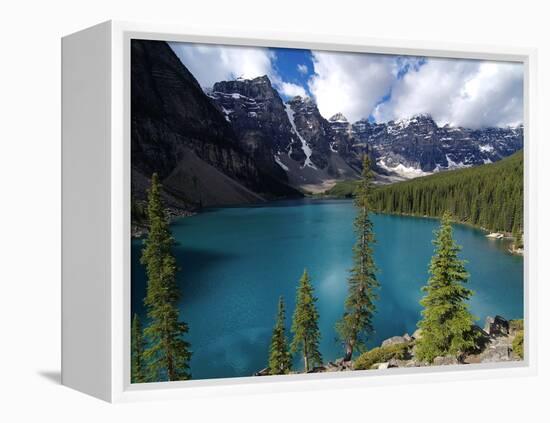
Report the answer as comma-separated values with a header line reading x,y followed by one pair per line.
x,y
236,262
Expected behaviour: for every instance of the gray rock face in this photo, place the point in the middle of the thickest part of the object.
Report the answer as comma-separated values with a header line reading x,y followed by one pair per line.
x,y
292,140
313,128
257,114
346,142
419,143
497,326
497,351
416,146
396,340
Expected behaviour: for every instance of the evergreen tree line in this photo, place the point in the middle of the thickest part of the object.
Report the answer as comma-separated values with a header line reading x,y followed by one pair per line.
x,y
489,196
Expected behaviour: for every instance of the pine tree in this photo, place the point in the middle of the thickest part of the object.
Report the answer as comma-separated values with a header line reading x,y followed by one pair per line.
x,y
447,325
167,354
356,324
280,361
518,239
138,345
305,324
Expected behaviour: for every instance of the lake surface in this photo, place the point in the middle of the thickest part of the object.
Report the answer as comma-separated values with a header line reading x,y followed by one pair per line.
x,y
236,262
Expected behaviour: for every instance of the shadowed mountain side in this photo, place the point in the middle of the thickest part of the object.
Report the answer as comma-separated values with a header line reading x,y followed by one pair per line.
x,y
174,123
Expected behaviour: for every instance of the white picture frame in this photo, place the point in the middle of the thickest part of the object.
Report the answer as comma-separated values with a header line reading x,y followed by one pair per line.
x,y
96,227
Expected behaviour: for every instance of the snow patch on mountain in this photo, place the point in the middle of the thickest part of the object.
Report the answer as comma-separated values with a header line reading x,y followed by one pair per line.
x,y
280,163
454,165
407,172
305,148
486,148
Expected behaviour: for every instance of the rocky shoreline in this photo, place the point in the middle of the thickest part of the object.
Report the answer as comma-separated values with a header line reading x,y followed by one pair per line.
x,y
496,345
506,236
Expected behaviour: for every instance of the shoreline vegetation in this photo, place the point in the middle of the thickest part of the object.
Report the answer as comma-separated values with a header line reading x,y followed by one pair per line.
x,y
446,334
488,197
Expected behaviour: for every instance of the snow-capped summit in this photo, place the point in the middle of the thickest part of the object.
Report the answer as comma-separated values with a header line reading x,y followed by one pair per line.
x,y
338,118
294,140
417,145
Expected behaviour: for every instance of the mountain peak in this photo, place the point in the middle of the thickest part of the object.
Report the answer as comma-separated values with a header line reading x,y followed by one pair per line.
x,y
338,117
264,79
421,118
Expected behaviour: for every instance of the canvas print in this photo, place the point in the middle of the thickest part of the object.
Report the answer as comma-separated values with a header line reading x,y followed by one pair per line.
x,y
299,211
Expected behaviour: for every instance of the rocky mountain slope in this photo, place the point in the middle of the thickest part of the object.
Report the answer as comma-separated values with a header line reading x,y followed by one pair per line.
x,y
311,149
418,146
239,142
286,138
178,133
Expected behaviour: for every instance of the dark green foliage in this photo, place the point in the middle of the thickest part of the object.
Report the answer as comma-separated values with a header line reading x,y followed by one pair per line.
x,y
516,325
138,346
305,325
489,196
517,344
359,308
518,239
138,212
167,354
447,325
343,189
381,355
280,361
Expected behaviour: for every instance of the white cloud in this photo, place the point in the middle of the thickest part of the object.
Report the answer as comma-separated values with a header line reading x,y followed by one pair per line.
x,y
302,69
459,92
213,63
465,93
290,90
350,83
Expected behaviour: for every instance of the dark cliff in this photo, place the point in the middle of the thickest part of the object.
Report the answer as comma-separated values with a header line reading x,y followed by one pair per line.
x,y
179,133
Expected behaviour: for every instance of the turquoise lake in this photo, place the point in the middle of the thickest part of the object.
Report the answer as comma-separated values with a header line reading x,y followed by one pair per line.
x,y
236,262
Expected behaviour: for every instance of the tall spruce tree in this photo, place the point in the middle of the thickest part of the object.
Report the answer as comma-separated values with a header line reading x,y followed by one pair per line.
x,y
359,308
167,354
280,361
138,346
447,325
305,325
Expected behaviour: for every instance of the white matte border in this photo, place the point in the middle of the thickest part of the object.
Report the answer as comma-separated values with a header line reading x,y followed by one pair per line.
x,y
122,390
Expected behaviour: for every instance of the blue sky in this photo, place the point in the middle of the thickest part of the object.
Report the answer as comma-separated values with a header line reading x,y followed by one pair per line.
x,y
469,93
295,66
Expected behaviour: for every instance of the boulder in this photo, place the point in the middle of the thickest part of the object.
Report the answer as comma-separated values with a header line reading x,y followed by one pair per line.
x,y
497,326
496,352
396,340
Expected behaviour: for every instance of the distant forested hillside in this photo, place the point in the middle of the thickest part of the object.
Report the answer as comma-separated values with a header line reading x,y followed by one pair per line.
x,y
489,196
